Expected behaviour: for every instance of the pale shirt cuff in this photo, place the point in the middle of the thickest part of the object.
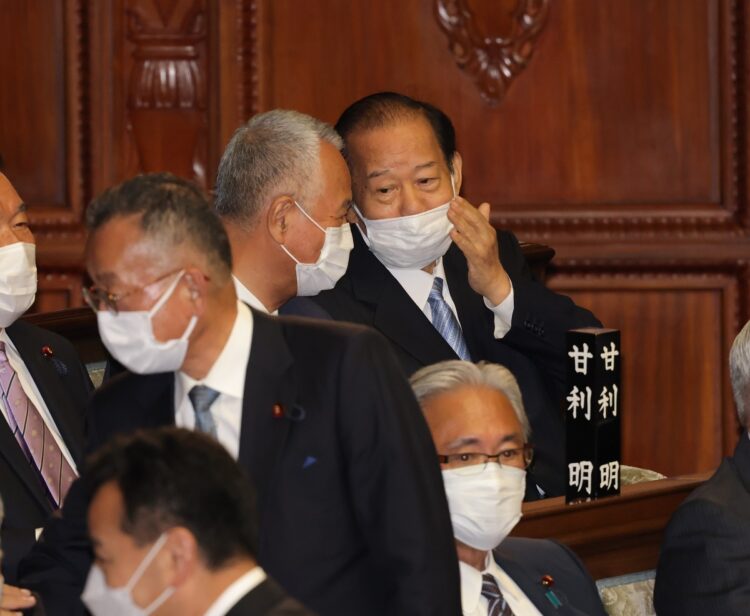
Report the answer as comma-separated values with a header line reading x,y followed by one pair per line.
x,y
503,313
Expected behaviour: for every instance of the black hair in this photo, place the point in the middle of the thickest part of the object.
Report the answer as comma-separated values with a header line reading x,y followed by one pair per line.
x,y
175,477
386,108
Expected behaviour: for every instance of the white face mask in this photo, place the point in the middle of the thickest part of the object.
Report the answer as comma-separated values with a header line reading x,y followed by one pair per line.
x,y
17,281
129,337
312,278
410,242
485,507
103,600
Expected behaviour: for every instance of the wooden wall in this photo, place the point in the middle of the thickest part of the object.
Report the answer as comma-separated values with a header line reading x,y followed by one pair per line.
x,y
614,131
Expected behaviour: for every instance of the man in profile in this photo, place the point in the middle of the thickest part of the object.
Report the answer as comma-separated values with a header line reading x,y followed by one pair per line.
x,y
173,521
704,564
435,278
351,509
481,433
283,192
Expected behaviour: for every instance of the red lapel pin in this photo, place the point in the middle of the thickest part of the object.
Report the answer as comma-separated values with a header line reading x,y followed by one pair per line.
x,y
278,411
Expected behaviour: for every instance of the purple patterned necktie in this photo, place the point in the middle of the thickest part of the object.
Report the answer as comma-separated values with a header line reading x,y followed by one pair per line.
x,y
498,606
33,436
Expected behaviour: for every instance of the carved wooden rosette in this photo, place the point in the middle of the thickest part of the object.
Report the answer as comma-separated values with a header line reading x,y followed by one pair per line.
x,y
167,92
493,62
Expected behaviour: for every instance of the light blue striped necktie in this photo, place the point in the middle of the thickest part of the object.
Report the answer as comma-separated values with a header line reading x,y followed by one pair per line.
x,y
445,321
202,398
498,606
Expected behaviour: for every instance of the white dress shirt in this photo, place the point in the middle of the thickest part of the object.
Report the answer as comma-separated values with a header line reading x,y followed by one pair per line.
x,y
245,295
418,284
235,591
227,376
32,392
472,601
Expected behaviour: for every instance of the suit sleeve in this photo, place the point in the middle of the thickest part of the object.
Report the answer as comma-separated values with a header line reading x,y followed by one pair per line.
x,y
541,317
395,481
703,565
57,567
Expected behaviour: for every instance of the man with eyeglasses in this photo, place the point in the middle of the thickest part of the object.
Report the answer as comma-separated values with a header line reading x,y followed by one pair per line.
x,y
353,518
44,390
476,416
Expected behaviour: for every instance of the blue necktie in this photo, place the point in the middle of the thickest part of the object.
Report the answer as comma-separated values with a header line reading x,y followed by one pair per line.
x,y
202,397
445,321
498,606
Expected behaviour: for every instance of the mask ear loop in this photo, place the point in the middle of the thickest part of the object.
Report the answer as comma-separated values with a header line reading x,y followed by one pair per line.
x,y
312,220
147,560
166,295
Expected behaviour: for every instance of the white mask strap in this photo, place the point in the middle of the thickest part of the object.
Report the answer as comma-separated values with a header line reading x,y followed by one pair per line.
x,y
166,295
310,218
146,562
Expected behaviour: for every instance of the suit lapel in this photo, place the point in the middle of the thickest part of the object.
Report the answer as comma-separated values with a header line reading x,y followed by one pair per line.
x,y
531,585
396,316
270,392
69,420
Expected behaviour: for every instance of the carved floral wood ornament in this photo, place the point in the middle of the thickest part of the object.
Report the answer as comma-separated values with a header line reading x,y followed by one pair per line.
x,y
492,61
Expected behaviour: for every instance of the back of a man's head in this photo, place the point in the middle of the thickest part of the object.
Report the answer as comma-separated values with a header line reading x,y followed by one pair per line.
x,y
172,213
388,108
277,152
739,372
172,477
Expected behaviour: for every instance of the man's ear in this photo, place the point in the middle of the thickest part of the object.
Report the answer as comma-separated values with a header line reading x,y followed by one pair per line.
x,y
277,218
457,172
184,555
197,283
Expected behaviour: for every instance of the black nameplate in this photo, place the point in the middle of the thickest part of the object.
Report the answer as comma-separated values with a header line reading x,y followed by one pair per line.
x,y
592,414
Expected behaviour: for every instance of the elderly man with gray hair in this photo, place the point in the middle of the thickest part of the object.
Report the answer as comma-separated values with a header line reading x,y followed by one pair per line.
x,y
476,416
283,192
704,565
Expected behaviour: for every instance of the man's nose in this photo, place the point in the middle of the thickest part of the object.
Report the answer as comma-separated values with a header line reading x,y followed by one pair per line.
x,y
411,203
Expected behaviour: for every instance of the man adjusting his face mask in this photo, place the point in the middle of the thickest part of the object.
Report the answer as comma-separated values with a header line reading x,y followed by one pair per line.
x,y
409,242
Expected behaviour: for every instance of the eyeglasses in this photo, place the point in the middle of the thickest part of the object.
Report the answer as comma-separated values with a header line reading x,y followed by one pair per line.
x,y
475,463
98,298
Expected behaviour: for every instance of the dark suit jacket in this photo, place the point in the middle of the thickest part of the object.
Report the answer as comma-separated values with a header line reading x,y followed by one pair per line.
x,y
352,507
704,565
533,349
65,387
268,599
527,561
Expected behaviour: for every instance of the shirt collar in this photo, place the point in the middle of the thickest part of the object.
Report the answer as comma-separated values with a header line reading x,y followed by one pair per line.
x,y
417,283
245,295
235,591
227,375
471,583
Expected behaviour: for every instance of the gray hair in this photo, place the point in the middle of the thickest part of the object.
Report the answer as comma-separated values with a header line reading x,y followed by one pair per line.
x,y
275,153
448,375
739,372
